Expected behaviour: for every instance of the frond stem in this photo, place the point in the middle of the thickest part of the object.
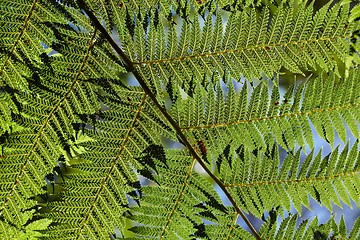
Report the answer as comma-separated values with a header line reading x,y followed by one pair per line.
x,y
268,118
289,181
256,48
130,67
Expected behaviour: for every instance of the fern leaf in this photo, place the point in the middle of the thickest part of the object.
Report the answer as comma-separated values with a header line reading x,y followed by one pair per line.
x,y
164,210
77,89
174,208
308,229
24,40
31,231
23,37
7,106
320,177
60,93
227,228
293,40
355,232
96,194
287,121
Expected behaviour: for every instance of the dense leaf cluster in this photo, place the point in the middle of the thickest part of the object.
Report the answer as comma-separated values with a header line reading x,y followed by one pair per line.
x,y
85,151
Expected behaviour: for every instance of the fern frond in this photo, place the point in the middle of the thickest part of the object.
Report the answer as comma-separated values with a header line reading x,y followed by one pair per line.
x,y
175,206
327,102
88,225
23,36
226,227
31,231
355,231
260,182
60,93
250,46
96,193
183,7
308,229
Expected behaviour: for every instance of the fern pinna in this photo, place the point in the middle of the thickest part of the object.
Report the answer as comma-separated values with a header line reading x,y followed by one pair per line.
x,y
86,152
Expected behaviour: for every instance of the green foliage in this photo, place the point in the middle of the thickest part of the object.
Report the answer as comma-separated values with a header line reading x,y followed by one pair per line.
x,y
308,229
251,45
260,182
85,155
31,231
96,183
220,120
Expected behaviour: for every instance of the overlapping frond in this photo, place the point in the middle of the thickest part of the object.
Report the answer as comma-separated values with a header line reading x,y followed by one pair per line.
x,y
23,36
290,229
251,44
327,103
31,231
182,6
96,193
260,182
23,39
112,11
308,229
60,93
176,205
73,89
227,227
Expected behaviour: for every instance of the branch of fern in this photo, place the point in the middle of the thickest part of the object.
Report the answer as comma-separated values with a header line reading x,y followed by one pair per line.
x,y
113,165
46,124
271,117
349,174
245,49
130,67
